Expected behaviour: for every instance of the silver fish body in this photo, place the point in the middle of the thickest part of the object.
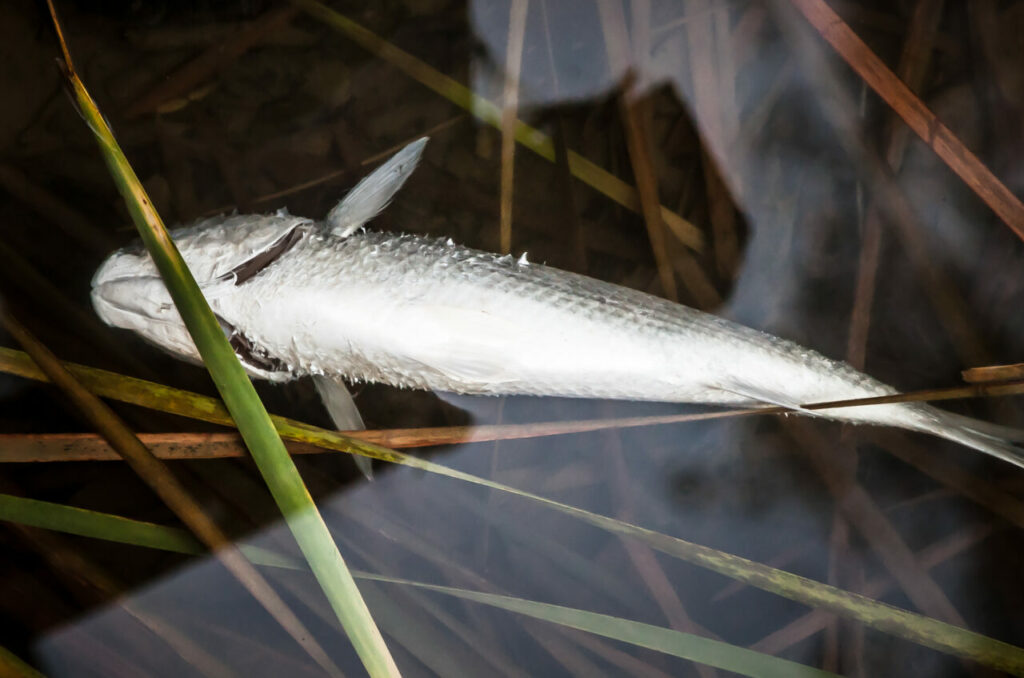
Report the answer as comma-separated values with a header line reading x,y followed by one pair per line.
x,y
425,313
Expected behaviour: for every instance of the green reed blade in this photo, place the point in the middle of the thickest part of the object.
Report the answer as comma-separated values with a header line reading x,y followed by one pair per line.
x,y
239,396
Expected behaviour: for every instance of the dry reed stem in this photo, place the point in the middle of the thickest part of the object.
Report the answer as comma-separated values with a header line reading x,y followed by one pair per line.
x,y
863,513
92,586
509,115
913,67
952,475
700,36
47,447
724,223
546,565
538,142
914,112
169,489
613,25
630,665
839,555
270,661
414,619
567,200
396,618
994,373
642,556
951,309
864,289
814,621
493,496
887,21
915,61
725,59
189,650
563,171
13,362
90,650
376,517
703,294
215,58
457,574
338,174
713,75
928,395
647,186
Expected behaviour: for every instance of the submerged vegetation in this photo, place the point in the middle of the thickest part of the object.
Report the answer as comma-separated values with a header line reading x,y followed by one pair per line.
x,y
757,160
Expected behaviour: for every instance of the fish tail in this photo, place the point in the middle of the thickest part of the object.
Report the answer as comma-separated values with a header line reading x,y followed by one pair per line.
x,y
992,439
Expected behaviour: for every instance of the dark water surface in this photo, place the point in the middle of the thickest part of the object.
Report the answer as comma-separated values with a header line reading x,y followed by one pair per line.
x,y
822,219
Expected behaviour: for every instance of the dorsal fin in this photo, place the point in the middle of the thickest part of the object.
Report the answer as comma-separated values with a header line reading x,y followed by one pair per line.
x,y
373,193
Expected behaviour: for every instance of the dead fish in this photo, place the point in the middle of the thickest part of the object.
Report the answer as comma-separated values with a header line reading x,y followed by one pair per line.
x,y
328,299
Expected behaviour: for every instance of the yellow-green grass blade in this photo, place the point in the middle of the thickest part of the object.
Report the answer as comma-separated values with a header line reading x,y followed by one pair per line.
x,y
918,628
486,111
240,397
929,632
13,665
688,646
96,525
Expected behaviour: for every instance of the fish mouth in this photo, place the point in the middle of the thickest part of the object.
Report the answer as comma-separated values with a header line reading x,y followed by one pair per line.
x,y
117,303
106,299
167,334
137,297
254,358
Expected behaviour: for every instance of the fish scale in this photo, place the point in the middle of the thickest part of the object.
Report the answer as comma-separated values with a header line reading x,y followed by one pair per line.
x,y
410,269
331,300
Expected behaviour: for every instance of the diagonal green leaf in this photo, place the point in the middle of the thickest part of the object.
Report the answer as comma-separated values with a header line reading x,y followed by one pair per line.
x,y
239,396
686,645
13,665
918,628
86,523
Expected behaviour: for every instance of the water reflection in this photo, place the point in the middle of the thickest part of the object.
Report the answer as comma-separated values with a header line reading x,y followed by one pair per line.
x,y
744,90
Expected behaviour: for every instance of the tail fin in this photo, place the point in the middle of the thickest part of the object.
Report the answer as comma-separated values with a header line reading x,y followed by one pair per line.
x,y
992,439
993,430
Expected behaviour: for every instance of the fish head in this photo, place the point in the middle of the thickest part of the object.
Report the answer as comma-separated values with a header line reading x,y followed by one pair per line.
x,y
222,253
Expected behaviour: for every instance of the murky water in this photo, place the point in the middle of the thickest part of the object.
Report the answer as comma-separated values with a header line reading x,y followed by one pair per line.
x,y
821,220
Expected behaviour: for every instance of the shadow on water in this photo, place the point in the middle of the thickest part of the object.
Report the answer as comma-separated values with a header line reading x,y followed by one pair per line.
x,y
823,221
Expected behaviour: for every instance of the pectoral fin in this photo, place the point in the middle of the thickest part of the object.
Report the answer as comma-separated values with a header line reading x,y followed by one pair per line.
x,y
761,395
260,260
372,194
343,412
